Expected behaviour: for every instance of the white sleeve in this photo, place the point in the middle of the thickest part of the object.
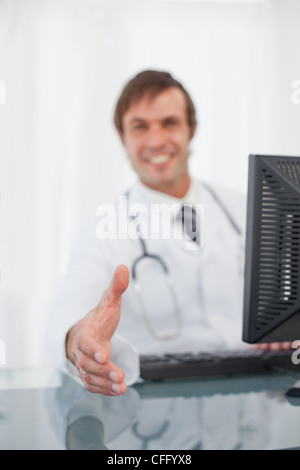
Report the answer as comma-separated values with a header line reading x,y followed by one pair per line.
x,y
89,273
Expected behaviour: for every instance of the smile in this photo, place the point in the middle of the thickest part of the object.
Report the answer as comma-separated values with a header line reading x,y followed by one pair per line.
x,y
159,159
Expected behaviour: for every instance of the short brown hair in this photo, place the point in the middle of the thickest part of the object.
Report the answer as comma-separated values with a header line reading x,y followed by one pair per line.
x,y
150,82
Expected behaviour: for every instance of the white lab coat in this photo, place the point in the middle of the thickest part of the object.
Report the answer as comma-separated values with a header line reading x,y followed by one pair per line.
x,y
208,283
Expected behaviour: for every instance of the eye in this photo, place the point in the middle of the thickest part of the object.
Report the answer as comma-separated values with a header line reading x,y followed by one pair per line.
x,y
171,122
138,127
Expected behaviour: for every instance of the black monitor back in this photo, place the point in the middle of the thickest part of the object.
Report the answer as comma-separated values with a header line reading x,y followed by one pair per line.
x,y
272,269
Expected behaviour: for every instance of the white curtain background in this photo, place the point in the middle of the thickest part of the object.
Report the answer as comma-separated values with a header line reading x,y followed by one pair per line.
x,y
63,64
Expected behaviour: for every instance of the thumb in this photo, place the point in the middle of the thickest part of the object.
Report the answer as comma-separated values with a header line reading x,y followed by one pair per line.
x,y
119,282
109,308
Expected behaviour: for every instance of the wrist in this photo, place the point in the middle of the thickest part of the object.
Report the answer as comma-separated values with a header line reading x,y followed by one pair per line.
x,y
69,344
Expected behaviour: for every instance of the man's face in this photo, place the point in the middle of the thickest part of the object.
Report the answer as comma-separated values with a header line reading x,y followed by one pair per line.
x,y
156,136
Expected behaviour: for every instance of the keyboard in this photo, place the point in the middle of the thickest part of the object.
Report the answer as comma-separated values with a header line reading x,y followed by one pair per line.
x,y
223,363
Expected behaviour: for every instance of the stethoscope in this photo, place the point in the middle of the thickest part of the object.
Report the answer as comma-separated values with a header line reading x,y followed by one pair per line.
x,y
169,280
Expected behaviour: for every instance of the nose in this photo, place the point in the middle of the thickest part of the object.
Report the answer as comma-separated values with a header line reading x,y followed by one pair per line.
x,y
156,137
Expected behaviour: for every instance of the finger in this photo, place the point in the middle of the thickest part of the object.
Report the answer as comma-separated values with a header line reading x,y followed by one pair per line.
x,y
117,287
262,346
108,386
101,390
92,381
283,346
275,346
108,371
109,309
85,343
119,281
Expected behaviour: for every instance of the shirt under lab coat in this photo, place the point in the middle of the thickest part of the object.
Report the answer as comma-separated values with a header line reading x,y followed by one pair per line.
x,y
208,282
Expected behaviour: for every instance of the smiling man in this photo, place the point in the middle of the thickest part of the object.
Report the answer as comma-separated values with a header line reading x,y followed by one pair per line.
x,y
101,341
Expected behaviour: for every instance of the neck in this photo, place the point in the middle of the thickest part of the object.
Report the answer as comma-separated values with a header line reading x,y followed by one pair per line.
x,y
177,190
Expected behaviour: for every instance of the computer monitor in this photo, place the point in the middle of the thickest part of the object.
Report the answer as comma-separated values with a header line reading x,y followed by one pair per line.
x,y
272,265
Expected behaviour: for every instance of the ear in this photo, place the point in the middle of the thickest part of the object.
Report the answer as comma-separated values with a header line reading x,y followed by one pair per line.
x,y
194,129
121,135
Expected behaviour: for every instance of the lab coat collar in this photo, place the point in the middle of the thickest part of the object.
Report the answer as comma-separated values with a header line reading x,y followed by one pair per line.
x,y
151,196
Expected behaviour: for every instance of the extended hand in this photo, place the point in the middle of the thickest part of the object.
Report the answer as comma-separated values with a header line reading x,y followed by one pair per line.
x,y
88,343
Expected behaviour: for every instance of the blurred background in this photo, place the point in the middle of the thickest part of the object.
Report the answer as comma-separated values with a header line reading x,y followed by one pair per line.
x,y
62,66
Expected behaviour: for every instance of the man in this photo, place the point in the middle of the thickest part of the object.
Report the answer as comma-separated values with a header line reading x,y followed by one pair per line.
x,y
156,121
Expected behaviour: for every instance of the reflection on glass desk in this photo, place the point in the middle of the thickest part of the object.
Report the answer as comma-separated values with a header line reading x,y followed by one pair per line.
x,y
43,409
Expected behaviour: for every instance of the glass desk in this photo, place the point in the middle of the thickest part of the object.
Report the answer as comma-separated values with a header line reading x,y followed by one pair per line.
x,y
43,409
